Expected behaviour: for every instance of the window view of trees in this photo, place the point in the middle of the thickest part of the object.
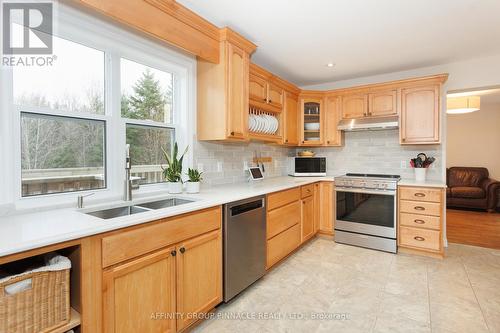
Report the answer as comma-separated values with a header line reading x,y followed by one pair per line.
x,y
150,99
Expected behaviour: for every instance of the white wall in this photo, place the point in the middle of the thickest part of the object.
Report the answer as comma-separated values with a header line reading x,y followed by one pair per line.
x,y
474,138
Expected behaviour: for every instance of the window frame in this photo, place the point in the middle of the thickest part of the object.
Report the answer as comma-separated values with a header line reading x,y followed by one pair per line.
x,y
74,25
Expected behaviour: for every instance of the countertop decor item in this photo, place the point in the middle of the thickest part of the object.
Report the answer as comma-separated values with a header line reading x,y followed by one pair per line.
x,y
173,172
420,164
306,153
193,183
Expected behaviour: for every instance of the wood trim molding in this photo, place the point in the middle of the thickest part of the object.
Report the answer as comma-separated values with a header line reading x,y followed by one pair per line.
x,y
165,20
227,34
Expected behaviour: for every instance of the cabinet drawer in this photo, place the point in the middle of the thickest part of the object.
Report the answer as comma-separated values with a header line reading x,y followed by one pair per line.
x,y
420,221
127,244
281,245
282,218
420,194
278,199
421,238
307,190
419,207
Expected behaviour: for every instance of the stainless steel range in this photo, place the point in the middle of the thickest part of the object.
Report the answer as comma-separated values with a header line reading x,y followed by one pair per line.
x,y
366,210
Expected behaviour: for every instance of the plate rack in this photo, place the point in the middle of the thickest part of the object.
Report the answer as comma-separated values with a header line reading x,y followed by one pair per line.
x,y
275,137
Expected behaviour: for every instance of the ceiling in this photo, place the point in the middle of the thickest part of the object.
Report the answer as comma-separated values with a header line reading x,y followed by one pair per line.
x,y
297,38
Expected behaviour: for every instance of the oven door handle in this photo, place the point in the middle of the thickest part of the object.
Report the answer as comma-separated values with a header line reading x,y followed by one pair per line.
x,y
357,190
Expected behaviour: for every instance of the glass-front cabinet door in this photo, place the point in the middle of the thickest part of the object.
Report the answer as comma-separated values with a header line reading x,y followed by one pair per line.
x,y
311,122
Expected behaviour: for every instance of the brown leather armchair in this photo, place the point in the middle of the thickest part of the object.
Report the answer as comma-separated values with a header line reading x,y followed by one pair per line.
x,y
470,187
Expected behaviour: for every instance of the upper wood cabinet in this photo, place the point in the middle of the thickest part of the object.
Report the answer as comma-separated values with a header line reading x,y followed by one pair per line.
x,y
136,289
199,276
264,93
354,106
223,91
291,116
383,103
275,96
420,113
333,137
373,104
257,89
311,129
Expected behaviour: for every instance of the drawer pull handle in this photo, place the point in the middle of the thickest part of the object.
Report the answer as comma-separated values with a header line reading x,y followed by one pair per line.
x,y
419,208
418,238
420,195
417,221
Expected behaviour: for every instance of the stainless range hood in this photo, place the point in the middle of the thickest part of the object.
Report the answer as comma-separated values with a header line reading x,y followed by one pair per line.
x,y
369,124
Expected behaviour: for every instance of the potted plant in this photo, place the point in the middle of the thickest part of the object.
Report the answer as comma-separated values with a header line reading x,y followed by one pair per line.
x,y
193,184
420,165
173,172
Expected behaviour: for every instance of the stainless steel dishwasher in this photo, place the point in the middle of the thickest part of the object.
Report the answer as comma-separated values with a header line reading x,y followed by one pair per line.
x,y
244,244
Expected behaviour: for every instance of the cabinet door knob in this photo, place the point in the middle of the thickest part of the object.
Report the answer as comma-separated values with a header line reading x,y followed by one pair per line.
x,y
270,101
173,253
232,133
418,238
286,140
182,250
265,99
328,142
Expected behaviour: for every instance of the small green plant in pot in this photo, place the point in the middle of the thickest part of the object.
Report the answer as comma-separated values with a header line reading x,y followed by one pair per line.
x,y
193,184
173,172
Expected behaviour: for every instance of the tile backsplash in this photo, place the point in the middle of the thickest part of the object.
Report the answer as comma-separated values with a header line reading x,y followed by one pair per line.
x,y
379,152
224,163
366,152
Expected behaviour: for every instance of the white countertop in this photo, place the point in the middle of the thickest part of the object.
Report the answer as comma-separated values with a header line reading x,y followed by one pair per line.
x,y
426,183
24,232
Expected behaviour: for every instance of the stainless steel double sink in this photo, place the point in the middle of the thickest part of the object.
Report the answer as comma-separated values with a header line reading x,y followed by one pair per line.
x,y
138,208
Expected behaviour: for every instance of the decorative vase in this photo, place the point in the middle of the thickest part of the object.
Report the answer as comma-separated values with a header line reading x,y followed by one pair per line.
x,y
420,174
193,187
174,187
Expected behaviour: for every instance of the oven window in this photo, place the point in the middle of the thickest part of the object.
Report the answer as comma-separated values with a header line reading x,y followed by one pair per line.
x,y
372,209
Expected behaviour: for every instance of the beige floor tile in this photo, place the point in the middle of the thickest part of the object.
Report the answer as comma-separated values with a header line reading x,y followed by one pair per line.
x,y
387,323
457,314
413,307
360,323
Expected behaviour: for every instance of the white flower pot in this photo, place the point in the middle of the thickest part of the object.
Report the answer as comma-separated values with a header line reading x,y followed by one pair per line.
x,y
193,187
174,188
420,174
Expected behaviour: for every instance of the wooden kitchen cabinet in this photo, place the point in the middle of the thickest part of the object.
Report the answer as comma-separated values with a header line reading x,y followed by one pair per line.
x,y
307,225
333,137
317,207
265,94
311,129
420,115
383,103
199,276
291,133
222,90
327,208
135,290
354,106
420,220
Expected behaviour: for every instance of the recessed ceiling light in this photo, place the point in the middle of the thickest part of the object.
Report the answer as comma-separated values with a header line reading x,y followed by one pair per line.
x,y
330,64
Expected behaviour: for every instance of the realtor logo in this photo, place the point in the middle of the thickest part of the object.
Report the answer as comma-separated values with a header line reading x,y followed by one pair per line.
x,y
27,28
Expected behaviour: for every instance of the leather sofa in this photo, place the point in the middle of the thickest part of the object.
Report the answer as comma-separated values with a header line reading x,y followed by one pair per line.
x,y
470,187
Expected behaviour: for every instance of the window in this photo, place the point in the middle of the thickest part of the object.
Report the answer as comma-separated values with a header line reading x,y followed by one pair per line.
x,y
147,106
61,154
67,125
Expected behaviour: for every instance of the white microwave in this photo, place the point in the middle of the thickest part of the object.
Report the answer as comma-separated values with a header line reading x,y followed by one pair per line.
x,y
307,166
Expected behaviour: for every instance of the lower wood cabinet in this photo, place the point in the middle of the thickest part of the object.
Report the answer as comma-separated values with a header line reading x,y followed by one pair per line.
x,y
160,291
282,245
326,208
138,289
307,225
420,223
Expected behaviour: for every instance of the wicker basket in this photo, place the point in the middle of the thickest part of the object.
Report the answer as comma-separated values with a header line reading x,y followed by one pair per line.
x,y
40,308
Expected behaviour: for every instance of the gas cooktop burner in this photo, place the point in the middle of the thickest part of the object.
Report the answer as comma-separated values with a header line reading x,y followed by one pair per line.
x,y
372,175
